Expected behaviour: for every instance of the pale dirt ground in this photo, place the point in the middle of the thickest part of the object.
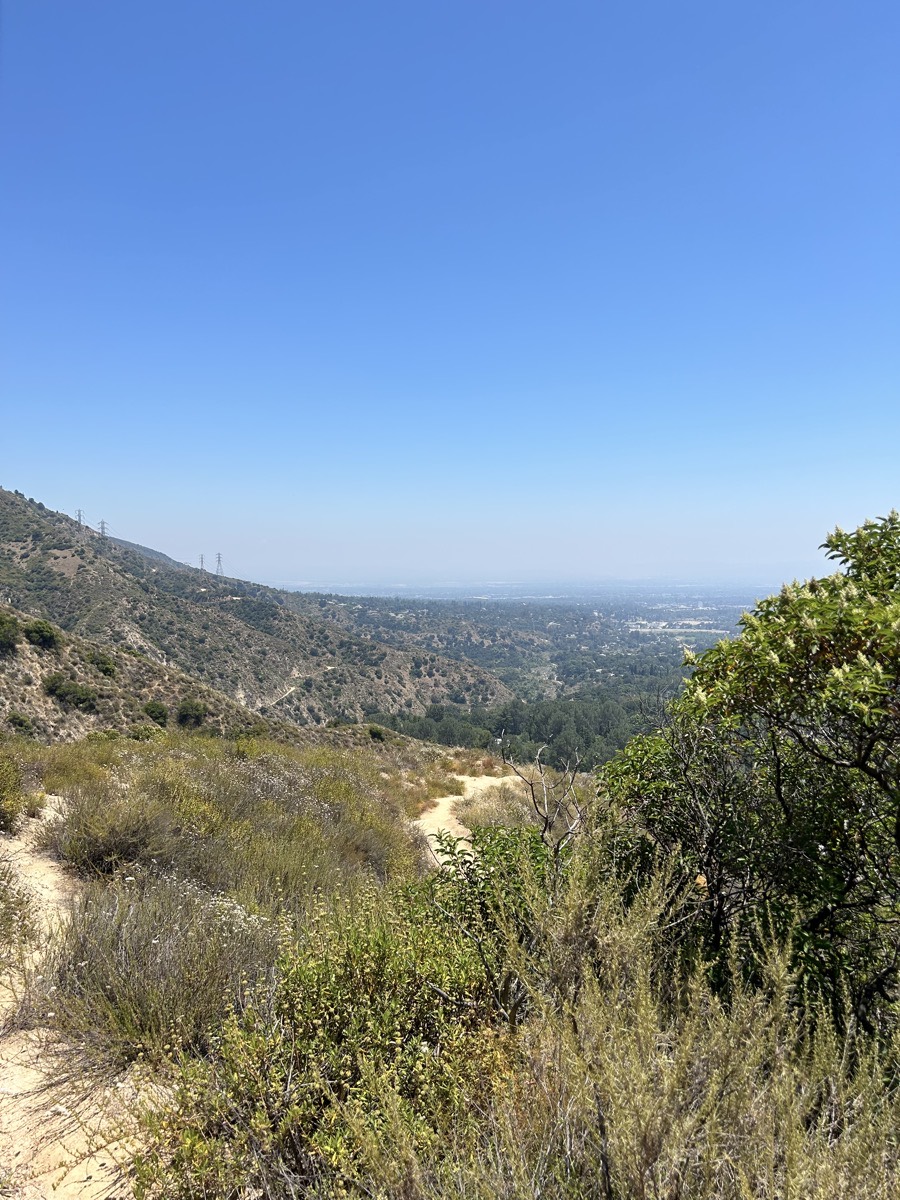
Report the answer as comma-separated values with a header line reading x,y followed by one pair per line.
x,y
60,1138
442,813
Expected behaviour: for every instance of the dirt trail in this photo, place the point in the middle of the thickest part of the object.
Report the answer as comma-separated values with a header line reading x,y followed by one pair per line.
x,y
442,813
58,1136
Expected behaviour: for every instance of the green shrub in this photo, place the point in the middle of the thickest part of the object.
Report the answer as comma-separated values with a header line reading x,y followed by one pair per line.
x,y
103,662
21,723
12,802
373,1067
142,732
10,632
378,1017
190,713
67,691
157,711
104,829
42,634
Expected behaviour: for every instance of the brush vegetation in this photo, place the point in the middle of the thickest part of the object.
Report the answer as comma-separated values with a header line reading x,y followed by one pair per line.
x,y
680,981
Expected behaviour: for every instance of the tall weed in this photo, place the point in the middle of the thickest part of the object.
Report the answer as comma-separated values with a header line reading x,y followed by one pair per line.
x,y
17,922
149,967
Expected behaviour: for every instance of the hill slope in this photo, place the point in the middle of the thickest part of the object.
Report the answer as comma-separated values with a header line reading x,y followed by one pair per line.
x,y
237,637
57,686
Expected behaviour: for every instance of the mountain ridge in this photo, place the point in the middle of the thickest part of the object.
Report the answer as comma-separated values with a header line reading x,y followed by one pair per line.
x,y
240,638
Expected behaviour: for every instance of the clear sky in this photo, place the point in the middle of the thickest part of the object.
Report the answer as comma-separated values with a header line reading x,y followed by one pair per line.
x,y
369,290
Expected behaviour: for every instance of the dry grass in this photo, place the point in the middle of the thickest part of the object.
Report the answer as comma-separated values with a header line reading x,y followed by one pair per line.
x,y
507,805
17,924
147,967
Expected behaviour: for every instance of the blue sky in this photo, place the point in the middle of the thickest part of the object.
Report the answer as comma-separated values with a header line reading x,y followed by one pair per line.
x,y
426,291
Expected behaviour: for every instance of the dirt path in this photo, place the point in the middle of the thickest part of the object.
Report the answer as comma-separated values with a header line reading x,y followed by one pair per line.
x,y
58,1138
441,815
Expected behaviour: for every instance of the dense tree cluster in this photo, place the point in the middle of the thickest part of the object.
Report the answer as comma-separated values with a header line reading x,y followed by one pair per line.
x,y
587,729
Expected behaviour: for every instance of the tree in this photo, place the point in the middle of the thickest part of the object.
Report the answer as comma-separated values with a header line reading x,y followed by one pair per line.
x,y
190,712
42,634
775,781
819,664
157,711
9,633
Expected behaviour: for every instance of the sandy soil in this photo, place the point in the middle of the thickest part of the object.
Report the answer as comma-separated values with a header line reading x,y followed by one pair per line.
x,y
60,1134
442,813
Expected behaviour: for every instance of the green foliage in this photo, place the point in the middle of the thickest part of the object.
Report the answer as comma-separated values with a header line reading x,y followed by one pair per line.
x,y
21,723
777,780
68,691
104,830
587,729
42,634
264,824
12,801
10,632
373,1066
103,662
818,665
378,1019
191,712
157,711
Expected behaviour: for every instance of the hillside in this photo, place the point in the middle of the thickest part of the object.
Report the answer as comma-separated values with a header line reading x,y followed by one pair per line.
x,y
237,637
57,687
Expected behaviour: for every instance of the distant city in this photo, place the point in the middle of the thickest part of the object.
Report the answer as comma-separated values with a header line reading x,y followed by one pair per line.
x,y
687,595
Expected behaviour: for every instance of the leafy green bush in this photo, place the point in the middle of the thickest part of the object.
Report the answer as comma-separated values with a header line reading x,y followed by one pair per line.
x,y
42,634
10,632
12,801
21,723
378,1019
68,691
373,1066
103,662
776,782
190,713
157,711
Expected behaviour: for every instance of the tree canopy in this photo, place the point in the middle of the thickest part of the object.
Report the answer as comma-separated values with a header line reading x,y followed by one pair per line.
x,y
776,779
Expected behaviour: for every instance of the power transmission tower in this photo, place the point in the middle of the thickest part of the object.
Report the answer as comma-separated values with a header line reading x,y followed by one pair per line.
x,y
104,528
202,567
219,570
79,516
